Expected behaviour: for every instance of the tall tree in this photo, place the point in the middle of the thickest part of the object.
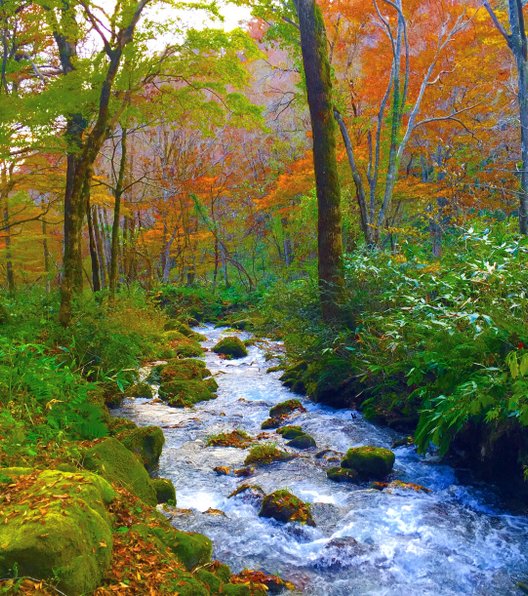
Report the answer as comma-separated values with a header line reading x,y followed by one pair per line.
x,y
518,44
314,48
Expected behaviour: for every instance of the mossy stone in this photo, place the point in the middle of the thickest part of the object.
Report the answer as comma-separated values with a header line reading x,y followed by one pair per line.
x,y
342,475
191,549
186,369
65,535
285,507
182,393
236,438
165,490
293,377
118,425
266,454
286,408
140,390
369,462
146,442
302,441
232,347
117,464
270,423
290,432
183,329
213,582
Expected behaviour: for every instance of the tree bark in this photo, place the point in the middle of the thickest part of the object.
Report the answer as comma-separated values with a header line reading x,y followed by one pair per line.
x,y
118,193
319,89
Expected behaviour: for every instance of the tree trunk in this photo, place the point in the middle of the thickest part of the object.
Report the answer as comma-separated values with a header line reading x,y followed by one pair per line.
x,y
319,88
118,193
94,256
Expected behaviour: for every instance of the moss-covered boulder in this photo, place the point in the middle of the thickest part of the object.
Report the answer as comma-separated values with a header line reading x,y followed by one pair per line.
x,y
181,393
286,408
231,347
290,432
369,462
302,441
117,464
294,377
56,525
266,454
140,390
285,507
342,475
185,369
270,423
146,442
236,438
181,345
191,549
183,329
164,489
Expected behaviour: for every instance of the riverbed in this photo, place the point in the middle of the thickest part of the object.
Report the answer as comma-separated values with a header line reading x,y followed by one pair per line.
x,y
456,539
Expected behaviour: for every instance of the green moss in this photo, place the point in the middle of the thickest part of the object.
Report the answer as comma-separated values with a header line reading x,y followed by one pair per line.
x,y
146,442
342,475
118,425
290,432
369,461
213,582
284,506
270,423
165,490
183,329
285,408
186,369
236,438
182,393
294,377
190,548
231,347
182,345
140,390
61,528
112,460
302,441
266,454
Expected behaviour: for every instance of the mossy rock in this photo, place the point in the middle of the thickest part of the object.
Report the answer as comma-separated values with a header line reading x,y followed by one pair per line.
x,y
117,464
285,507
266,454
140,390
236,438
270,423
369,462
146,442
165,490
213,582
231,347
293,377
342,475
302,441
290,432
181,345
181,394
183,329
118,425
185,369
56,526
286,408
192,549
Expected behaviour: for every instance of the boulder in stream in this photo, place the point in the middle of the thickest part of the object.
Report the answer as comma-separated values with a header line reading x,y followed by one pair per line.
x,y
266,454
146,442
290,432
165,491
302,441
342,475
231,347
285,507
369,462
286,408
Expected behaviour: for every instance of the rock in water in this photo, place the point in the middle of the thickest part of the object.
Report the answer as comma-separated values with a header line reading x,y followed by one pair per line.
x,y
285,507
369,462
231,347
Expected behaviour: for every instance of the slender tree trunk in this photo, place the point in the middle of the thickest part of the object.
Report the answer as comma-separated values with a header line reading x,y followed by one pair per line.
x,y
118,193
10,272
99,246
94,256
319,88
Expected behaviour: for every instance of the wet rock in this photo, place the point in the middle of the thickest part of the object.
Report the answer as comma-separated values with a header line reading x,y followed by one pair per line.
x,y
294,377
341,553
404,442
181,393
273,583
236,438
231,347
285,507
369,462
185,369
329,455
222,470
184,329
270,423
245,472
266,454
216,512
398,484
286,408
146,442
342,475
254,491
165,491
290,432
302,441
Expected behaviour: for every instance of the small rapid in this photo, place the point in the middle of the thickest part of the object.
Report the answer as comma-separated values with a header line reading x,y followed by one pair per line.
x,y
456,539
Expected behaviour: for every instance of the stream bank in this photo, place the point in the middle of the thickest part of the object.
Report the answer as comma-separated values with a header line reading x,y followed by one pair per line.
x,y
455,539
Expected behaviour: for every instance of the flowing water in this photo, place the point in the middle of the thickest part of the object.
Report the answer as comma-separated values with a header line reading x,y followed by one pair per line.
x,y
454,540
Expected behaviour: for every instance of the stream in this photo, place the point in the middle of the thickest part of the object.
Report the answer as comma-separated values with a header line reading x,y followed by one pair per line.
x,y
457,539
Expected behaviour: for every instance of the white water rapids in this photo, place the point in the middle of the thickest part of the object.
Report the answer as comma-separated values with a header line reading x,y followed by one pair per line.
x,y
455,540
